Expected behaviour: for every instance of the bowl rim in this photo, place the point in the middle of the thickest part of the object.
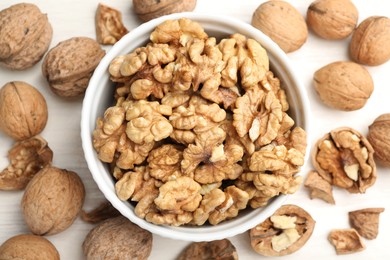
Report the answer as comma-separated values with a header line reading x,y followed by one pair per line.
x,y
222,230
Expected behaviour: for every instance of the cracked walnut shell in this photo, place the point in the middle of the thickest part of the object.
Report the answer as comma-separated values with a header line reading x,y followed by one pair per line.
x,y
366,221
379,138
217,249
109,26
344,158
346,241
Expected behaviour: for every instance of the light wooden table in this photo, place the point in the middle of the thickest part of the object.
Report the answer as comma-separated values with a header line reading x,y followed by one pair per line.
x,y
76,18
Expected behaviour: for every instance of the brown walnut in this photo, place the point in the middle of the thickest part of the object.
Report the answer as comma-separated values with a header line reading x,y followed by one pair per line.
x,y
52,200
117,238
282,23
150,9
332,19
25,36
366,221
369,43
379,138
343,85
217,250
23,110
27,246
69,65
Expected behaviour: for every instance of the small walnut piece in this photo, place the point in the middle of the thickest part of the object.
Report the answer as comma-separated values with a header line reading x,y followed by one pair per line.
x,y
344,158
52,200
104,211
26,158
27,246
109,26
332,19
23,110
369,41
69,65
366,221
117,238
282,23
217,249
25,36
346,241
343,85
319,188
150,9
380,139
285,232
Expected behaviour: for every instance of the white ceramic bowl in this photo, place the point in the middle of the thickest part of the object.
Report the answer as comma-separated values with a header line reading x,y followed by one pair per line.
x,y
99,96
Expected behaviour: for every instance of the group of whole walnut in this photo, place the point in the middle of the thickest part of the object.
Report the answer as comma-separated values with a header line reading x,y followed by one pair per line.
x,y
199,130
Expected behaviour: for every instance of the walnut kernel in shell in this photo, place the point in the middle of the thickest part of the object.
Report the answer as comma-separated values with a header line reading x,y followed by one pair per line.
x,y
379,138
343,85
23,110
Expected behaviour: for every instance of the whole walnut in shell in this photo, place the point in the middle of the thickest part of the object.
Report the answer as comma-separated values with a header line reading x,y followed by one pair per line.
x,y
117,238
369,43
52,200
28,246
282,23
343,85
150,9
69,65
332,19
23,110
379,138
25,36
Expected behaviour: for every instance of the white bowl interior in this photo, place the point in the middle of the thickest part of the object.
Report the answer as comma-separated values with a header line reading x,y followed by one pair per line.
x,y
99,96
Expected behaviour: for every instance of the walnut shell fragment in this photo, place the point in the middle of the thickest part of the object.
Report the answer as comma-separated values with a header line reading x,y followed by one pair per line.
x,y
69,65
26,158
343,85
285,232
23,110
319,188
217,249
27,246
52,200
104,211
344,158
346,241
332,19
117,238
379,138
109,25
282,23
25,36
366,221
150,9
369,41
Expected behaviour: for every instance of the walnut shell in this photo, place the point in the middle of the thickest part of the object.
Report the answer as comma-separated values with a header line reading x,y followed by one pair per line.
x,y
23,44
52,200
332,19
343,85
217,249
28,246
23,110
150,9
69,65
117,238
369,43
379,138
282,23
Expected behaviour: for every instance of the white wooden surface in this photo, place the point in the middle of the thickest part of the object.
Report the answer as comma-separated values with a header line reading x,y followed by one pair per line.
x,y
76,18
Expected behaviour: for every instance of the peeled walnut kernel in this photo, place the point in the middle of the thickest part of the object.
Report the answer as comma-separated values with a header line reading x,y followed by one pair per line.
x,y
217,250
109,26
282,23
369,43
344,158
23,110
343,85
346,241
366,221
285,232
332,19
379,138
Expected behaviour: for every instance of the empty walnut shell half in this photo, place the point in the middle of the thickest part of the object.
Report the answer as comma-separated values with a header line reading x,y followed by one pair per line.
x,y
285,232
379,138
346,241
25,36
69,65
344,158
217,249
366,221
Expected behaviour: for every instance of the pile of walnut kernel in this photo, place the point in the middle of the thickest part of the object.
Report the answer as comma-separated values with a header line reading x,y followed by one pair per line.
x,y
200,128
